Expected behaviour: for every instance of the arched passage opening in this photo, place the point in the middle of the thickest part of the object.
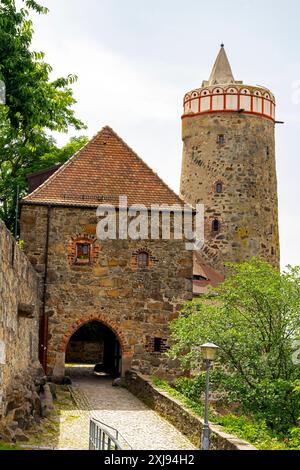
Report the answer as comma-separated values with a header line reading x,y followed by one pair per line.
x,y
95,344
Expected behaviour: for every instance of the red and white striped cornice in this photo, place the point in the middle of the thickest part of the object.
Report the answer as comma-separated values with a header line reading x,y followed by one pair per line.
x,y
230,98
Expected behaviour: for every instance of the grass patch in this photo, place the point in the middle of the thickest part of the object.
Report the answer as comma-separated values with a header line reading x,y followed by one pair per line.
x,y
4,446
71,418
48,431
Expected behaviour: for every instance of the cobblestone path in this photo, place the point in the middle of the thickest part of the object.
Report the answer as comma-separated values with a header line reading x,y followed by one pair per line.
x,y
141,427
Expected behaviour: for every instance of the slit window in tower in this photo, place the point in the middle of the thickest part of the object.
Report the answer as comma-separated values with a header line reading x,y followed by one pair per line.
x,y
219,188
221,139
215,226
157,344
268,151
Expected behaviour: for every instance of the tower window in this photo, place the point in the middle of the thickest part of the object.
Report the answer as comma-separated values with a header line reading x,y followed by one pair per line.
x,y
83,252
219,188
221,139
157,344
215,226
268,151
143,259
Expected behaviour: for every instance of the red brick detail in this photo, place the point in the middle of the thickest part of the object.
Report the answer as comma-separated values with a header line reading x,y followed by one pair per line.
x,y
91,240
134,259
126,349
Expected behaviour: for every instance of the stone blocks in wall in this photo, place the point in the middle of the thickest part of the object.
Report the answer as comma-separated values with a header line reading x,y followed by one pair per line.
x,y
136,304
19,324
245,204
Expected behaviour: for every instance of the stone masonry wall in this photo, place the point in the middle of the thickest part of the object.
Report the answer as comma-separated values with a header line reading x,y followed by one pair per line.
x,y
85,352
183,419
247,207
19,324
136,304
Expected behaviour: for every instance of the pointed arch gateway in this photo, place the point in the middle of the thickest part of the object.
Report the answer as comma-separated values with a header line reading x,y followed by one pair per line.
x,y
117,353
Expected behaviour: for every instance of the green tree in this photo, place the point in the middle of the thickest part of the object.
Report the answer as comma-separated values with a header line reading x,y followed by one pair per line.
x,y
35,104
52,156
254,318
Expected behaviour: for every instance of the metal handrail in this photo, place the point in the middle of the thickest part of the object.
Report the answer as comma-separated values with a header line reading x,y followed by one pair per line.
x,y
101,438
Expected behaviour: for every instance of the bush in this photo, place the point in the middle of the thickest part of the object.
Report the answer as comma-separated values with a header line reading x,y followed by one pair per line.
x,y
191,388
254,319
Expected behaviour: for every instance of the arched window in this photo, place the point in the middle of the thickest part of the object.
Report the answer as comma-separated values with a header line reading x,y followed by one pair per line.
x,y
215,225
143,259
219,188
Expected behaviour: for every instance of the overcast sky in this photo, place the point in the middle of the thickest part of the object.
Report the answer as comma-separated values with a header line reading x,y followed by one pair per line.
x,y
135,60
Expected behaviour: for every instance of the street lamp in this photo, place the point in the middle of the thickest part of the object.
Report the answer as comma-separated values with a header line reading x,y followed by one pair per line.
x,y
209,353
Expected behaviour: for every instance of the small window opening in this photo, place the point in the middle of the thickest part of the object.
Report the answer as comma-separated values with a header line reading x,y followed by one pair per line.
x,y
83,252
215,226
143,259
221,139
219,188
157,344
268,151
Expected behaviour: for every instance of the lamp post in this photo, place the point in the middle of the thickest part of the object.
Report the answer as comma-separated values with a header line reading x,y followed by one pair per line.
x,y
209,352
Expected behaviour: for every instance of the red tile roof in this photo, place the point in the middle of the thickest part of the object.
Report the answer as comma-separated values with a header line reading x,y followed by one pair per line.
x,y
210,276
100,172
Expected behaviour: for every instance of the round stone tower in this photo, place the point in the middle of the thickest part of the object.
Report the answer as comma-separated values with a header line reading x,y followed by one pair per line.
x,y
229,166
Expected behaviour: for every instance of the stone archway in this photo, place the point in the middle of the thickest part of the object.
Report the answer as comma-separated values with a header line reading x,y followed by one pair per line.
x,y
126,349
94,344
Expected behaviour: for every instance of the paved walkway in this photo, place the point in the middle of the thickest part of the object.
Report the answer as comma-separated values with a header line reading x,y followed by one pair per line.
x,y
142,428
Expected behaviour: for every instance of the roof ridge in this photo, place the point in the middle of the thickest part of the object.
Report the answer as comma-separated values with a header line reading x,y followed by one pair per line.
x,y
141,160
54,186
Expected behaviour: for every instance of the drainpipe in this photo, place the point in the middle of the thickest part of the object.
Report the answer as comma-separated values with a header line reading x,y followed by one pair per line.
x,y
44,317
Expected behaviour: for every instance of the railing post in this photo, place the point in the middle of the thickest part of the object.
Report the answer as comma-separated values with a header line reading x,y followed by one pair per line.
x,y
100,438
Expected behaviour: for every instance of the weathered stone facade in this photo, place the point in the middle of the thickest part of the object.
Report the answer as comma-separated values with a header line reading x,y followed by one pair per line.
x,y
243,163
136,304
19,327
85,352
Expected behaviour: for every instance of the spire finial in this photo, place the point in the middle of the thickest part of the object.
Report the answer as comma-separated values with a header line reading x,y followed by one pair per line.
x,y
222,45
221,72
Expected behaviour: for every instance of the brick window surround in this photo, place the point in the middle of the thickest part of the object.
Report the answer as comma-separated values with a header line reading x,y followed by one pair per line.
x,y
156,345
82,249
143,259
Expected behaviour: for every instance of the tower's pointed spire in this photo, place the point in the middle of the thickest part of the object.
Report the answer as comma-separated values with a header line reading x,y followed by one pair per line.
x,y
221,72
